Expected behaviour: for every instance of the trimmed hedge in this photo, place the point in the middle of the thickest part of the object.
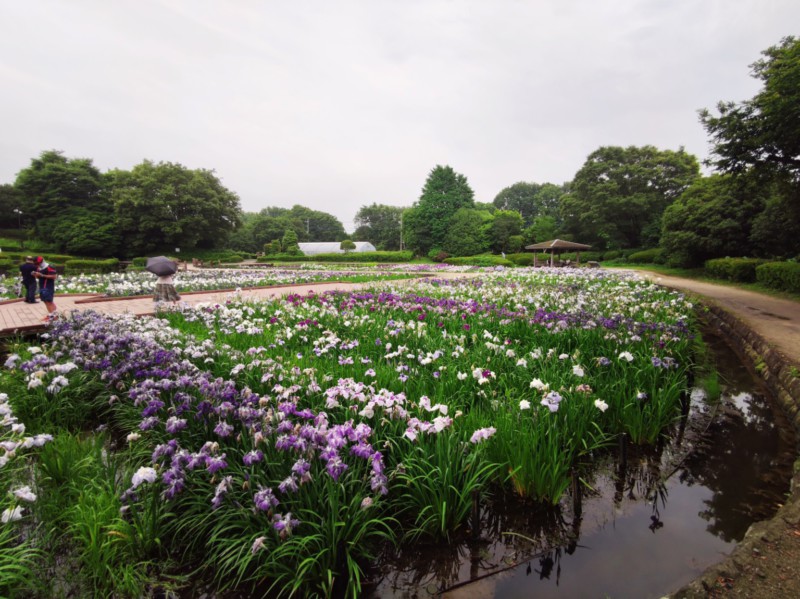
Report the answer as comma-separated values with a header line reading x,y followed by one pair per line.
x,y
8,267
653,256
589,256
75,267
404,256
481,260
612,255
741,270
784,276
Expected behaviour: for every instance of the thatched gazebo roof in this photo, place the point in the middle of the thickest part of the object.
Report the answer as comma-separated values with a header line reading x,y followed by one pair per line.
x,y
557,246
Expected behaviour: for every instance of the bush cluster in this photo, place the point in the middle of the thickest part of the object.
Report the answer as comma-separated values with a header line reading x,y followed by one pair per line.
x,y
75,267
403,256
652,256
741,270
784,276
480,260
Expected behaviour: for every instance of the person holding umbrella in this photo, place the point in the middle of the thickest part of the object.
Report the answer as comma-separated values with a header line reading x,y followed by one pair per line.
x,y
47,276
164,269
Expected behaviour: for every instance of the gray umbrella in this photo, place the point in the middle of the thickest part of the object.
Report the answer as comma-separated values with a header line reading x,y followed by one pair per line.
x,y
161,266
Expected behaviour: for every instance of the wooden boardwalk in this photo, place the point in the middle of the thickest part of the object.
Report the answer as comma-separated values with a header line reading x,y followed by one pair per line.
x,y
19,318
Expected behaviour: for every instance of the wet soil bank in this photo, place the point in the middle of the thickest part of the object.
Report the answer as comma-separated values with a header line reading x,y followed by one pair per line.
x,y
766,563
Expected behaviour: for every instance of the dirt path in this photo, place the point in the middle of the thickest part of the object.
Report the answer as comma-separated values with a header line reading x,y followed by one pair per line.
x,y
776,320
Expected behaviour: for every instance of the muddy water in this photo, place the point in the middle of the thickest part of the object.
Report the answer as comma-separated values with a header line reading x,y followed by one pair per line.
x,y
638,524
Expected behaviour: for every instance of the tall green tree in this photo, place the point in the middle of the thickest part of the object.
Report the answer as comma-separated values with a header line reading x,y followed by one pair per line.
x,y
531,200
762,133
467,233
426,223
165,205
13,212
618,196
504,225
713,218
67,203
316,225
380,225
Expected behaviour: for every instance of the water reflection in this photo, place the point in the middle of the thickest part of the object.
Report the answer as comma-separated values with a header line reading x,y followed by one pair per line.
x,y
637,522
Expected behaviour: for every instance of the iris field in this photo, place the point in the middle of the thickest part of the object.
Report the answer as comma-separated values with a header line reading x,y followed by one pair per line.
x,y
275,447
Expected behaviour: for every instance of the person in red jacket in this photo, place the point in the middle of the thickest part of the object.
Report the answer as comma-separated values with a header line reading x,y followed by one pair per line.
x,y
47,276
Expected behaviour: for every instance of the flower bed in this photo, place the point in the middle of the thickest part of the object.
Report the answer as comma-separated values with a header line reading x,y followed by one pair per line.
x,y
285,440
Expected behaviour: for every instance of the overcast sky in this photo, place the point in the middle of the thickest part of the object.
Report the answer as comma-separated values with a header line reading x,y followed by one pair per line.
x,y
335,105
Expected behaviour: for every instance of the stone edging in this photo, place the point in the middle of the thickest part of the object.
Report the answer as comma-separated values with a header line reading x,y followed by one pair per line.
x,y
777,372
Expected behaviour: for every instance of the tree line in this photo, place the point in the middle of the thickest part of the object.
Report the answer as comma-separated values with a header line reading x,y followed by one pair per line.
x,y
621,198
644,197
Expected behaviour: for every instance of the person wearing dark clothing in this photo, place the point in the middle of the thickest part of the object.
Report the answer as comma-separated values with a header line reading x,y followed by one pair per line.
x,y
47,276
28,279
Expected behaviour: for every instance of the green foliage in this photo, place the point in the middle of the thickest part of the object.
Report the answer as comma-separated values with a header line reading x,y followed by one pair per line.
x,y
14,214
784,276
380,225
612,255
762,133
439,480
481,260
426,224
711,219
504,225
741,270
465,236
618,196
384,257
651,256
80,487
531,200
271,224
18,560
347,245
289,243
168,205
67,202
74,267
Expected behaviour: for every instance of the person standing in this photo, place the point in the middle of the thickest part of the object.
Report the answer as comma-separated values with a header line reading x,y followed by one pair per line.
x,y
165,290
47,276
27,270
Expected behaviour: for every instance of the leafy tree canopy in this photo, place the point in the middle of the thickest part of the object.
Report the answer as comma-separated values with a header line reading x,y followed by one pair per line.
x,y
531,199
66,200
763,132
466,236
504,225
618,196
380,225
168,205
426,224
13,211
713,218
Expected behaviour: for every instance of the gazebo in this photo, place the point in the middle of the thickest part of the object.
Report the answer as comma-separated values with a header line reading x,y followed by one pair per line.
x,y
557,246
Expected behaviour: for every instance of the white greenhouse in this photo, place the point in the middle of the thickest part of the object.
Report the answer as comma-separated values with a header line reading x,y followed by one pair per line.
x,y
333,247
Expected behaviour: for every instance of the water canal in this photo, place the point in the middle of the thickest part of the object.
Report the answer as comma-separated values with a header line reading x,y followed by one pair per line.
x,y
638,524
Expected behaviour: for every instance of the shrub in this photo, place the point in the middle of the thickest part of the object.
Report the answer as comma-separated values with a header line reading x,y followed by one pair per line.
x,y
612,255
526,258
74,267
652,256
741,270
140,262
404,256
480,260
784,276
